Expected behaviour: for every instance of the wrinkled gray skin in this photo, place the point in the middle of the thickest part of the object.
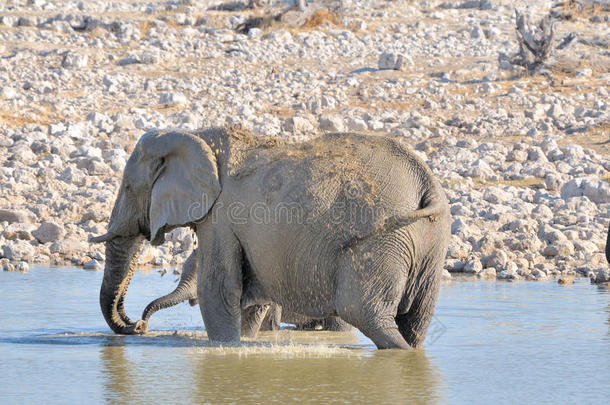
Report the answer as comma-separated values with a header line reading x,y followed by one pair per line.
x,y
187,290
343,225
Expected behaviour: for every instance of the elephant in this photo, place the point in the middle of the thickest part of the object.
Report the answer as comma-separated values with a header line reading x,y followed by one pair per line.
x,y
347,225
608,245
187,290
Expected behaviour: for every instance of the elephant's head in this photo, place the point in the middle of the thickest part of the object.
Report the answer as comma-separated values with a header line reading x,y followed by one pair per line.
x,y
170,180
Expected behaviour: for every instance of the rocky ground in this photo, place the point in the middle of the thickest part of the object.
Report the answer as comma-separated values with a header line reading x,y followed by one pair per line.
x,y
523,157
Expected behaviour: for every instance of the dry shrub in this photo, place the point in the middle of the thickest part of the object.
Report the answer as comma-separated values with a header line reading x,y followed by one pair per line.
x,y
574,9
319,17
145,26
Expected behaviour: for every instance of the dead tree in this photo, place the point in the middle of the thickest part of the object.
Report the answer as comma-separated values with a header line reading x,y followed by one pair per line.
x,y
535,42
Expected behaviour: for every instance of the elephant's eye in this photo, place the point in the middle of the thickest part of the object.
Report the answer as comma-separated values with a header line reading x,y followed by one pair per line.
x,y
127,187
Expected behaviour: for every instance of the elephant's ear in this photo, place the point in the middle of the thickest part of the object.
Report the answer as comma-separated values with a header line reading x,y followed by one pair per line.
x,y
185,179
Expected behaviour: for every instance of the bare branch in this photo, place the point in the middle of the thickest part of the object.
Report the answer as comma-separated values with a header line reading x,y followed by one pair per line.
x,y
535,41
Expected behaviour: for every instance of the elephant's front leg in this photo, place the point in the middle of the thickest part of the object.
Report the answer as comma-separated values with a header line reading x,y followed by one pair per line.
x,y
219,286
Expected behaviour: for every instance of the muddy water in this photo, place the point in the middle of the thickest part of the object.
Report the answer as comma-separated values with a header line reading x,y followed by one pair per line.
x,y
490,342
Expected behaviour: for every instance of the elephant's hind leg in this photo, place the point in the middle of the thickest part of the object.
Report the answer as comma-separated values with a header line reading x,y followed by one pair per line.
x,y
368,294
414,323
375,322
252,319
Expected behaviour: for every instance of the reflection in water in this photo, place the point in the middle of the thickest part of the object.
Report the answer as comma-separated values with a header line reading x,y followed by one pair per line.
x,y
373,377
117,371
260,372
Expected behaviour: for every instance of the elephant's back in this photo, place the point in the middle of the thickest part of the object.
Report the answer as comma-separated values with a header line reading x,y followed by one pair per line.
x,y
365,172
341,184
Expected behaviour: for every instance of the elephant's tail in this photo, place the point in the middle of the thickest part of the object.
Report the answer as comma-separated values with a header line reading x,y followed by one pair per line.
x,y
432,206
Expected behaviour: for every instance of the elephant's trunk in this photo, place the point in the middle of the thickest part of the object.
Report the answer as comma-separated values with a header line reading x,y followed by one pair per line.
x,y
121,258
181,293
186,290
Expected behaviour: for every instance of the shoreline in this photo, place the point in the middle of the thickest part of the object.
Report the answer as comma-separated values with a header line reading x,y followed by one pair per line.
x,y
447,278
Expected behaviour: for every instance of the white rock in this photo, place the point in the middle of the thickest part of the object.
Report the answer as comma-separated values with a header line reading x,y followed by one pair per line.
x,y
454,265
97,168
538,274
22,267
280,36
474,266
172,99
555,111
57,129
552,181
48,232
585,246
12,216
76,131
73,175
68,247
9,93
543,213
149,57
356,124
573,151
563,248
332,123
498,259
18,250
509,275
92,265
255,33
147,254
481,168
8,267
394,61
517,156
595,190
101,121
298,125
74,60
487,273
547,233
496,195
